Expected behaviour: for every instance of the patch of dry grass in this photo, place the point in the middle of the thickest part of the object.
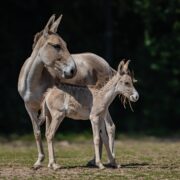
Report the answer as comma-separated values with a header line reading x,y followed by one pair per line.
x,y
140,159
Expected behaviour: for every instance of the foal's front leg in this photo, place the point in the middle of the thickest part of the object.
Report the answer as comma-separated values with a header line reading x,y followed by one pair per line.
x,y
96,138
57,118
110,129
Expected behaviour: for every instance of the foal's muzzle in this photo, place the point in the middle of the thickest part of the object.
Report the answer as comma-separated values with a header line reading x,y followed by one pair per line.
x,y
134,97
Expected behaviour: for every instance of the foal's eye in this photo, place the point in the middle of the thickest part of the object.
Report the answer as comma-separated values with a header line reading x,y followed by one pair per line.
x,y
56,46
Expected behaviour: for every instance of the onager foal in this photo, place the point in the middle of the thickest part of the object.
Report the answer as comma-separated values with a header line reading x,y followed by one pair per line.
x,y
86,103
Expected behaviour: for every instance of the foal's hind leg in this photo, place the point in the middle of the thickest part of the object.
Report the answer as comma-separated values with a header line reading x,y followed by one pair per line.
x,y
57,118
110,128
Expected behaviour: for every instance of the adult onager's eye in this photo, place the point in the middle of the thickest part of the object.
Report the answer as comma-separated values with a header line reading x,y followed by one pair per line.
x,y
56,46
127,83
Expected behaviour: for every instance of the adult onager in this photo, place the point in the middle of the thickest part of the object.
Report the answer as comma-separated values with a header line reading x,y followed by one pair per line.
x,y
51,63
68,101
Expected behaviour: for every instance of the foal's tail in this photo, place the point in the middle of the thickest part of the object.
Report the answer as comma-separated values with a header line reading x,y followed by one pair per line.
x,y
44,113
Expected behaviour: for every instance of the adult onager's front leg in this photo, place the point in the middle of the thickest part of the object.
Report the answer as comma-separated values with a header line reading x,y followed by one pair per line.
x,y
57,118
37,133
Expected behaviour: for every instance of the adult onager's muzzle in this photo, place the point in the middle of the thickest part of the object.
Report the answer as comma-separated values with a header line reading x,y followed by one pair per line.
x,y
70,70
134,97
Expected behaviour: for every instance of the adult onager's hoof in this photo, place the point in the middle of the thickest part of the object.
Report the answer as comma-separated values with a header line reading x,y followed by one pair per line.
x,y
38,163
54,166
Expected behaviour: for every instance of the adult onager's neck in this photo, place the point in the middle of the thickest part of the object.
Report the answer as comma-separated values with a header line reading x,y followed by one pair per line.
x,y
35,74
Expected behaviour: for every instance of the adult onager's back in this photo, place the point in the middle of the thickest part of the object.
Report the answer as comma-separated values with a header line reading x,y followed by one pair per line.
x,y
85,103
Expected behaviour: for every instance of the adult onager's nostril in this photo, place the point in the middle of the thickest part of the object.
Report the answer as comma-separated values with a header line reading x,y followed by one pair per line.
x,y
70,73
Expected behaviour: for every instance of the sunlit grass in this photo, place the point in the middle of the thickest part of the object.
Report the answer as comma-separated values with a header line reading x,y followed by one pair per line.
x,y
144,158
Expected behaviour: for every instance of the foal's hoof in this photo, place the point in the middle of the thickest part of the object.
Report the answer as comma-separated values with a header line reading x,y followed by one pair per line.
x,y
54,166
113,165
101,166
91,163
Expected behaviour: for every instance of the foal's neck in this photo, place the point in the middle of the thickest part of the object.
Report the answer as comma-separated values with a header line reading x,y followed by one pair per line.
x,y
108,92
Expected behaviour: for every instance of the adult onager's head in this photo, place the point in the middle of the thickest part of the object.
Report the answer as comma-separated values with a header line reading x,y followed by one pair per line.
x,y
125,85
53,51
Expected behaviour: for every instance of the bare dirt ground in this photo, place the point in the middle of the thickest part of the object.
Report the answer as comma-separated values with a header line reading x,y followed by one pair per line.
x,y
140,159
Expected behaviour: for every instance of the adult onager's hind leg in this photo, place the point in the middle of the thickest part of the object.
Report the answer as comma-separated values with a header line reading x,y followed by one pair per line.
x,y
37,133
50,132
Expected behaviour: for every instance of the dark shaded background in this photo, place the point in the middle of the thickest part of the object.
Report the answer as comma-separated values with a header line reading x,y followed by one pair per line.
x,y
145,31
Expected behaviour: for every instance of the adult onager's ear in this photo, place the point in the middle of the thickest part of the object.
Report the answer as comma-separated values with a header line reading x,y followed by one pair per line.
x,y
48,25
55,25
120,67
125,67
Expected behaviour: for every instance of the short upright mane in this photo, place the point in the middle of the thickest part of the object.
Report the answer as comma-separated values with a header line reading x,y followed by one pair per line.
x,y
36,38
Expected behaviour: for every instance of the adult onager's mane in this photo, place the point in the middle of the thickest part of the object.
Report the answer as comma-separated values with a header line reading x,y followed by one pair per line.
x,y
36,38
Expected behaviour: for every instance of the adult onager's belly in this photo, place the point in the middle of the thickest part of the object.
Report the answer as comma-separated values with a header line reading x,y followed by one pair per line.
x,y
78,109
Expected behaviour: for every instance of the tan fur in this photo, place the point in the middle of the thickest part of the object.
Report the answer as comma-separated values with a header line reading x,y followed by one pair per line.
x,y
85,103
43,69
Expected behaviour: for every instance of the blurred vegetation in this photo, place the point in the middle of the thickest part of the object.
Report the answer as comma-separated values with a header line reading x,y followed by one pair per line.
x,y
145,31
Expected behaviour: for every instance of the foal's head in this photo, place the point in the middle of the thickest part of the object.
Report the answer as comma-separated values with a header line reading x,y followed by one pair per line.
x,y
53,51
125,82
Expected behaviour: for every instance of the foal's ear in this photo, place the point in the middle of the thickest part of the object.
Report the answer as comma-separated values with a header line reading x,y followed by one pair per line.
x,y
55,25
48,25
120,67
133,79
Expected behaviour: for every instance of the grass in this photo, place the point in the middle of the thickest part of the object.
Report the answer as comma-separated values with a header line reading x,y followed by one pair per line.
x,y
141,158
